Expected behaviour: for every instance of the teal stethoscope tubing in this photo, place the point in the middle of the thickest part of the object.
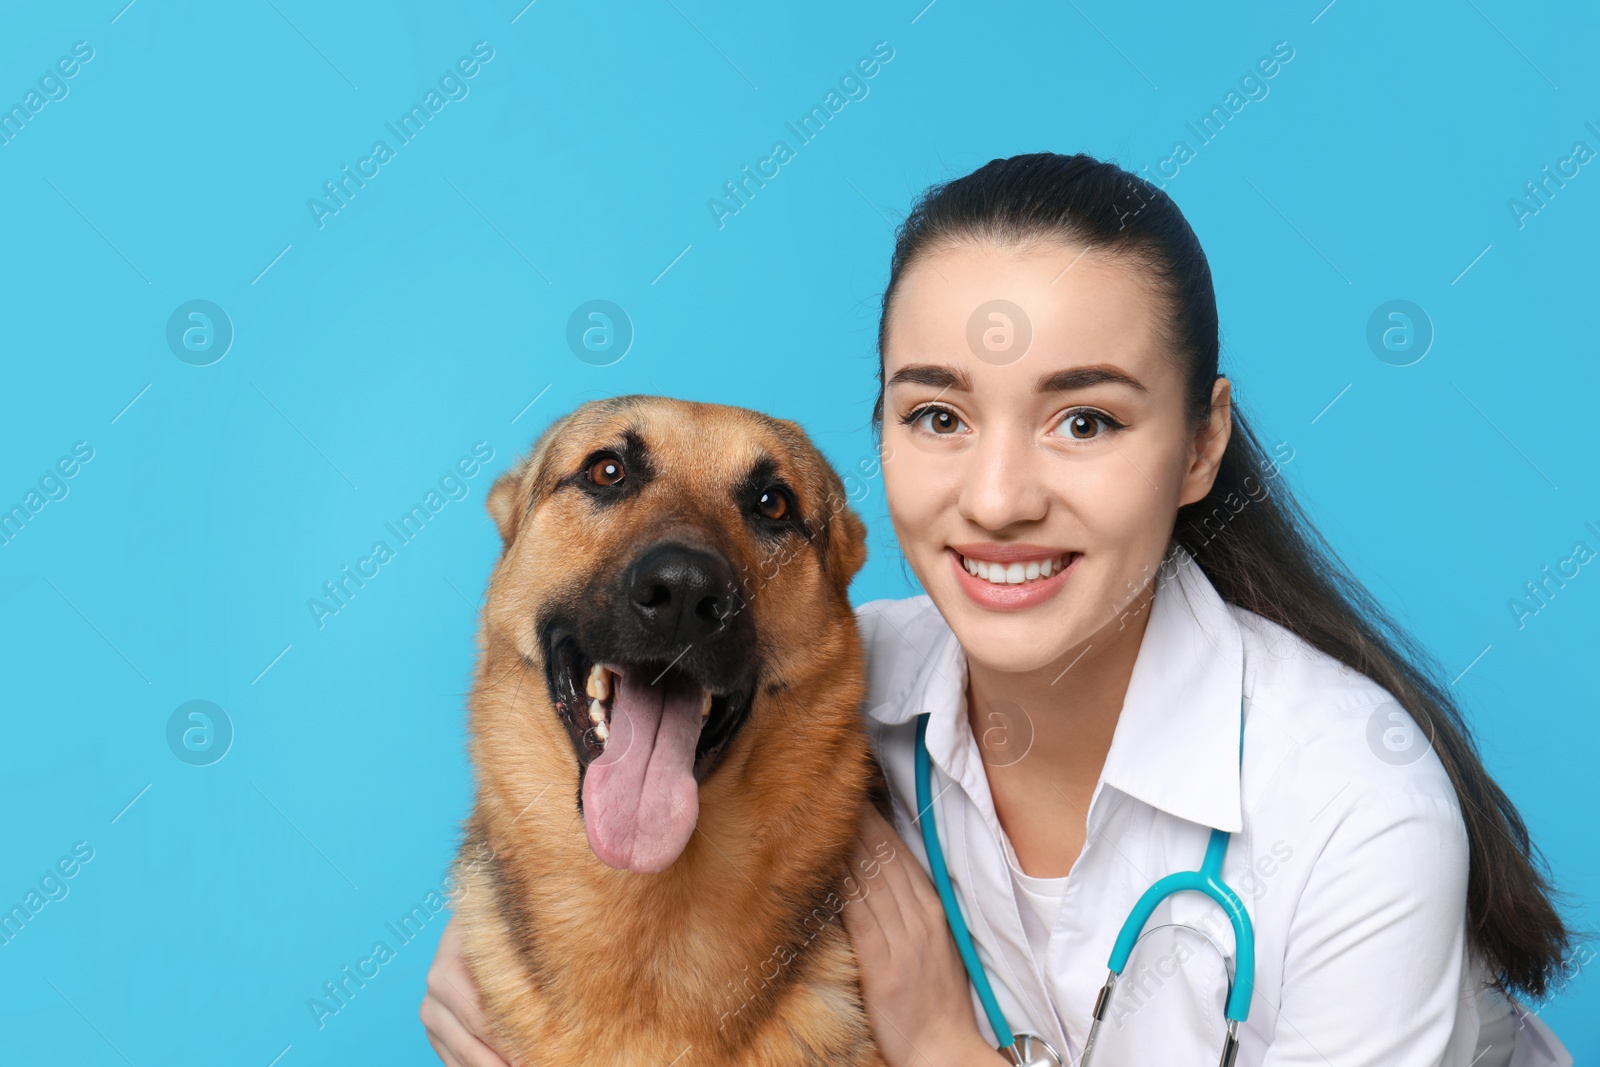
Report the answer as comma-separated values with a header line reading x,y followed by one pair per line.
x,y
1207,880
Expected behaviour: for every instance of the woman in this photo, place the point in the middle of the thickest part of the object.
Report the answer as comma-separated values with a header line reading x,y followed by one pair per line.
x,y
1130,638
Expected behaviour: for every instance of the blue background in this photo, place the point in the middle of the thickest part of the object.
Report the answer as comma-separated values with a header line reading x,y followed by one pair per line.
x,y
431,311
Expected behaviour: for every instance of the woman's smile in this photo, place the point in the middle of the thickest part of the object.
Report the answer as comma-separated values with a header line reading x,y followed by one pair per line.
x,y
1010,577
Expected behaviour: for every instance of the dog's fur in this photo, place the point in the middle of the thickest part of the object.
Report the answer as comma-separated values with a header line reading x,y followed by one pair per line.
x,y
736,953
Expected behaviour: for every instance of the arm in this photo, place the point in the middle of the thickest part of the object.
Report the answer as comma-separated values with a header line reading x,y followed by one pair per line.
x,y
1377,944
912,978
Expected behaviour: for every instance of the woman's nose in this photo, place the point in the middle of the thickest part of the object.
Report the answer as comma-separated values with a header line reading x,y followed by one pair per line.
x,y
1003,485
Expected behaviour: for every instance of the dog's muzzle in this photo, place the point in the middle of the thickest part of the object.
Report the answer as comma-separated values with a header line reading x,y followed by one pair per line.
x,y
653,676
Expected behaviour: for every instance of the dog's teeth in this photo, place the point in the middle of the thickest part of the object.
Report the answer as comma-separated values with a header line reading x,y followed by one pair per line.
x,y
598,684
597,713
601,730
705,705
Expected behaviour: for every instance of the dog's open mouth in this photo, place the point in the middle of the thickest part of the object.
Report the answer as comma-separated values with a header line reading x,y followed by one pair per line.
x,y
646,735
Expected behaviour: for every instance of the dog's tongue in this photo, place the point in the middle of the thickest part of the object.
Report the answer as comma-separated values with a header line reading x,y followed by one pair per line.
x,y
640,799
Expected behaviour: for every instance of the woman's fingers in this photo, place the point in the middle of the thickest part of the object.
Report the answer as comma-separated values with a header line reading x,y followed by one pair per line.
x,y
861,910
915,877
454,1044
432,1025
912,980
918,899
452,1012
879,866
442,1052
457,995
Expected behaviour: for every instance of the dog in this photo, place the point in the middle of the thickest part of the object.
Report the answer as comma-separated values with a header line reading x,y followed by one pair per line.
x,y
668,748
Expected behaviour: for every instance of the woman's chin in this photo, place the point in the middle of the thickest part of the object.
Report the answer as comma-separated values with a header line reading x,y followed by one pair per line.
x,y
1010,643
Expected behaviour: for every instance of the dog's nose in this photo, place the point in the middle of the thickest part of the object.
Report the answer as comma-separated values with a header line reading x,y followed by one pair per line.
x,y
683,594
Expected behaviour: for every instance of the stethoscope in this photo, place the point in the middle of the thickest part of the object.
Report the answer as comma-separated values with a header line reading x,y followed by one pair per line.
x,y
1030,1050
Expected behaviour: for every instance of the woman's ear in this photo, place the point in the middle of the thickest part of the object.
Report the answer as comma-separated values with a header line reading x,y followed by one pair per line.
x,y
1210,444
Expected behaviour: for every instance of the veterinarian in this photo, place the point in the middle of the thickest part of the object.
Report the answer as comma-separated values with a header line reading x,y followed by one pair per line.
x,y
1135,659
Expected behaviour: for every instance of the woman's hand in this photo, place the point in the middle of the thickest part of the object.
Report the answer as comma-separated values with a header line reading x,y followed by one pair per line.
x,y
457,1028
912,976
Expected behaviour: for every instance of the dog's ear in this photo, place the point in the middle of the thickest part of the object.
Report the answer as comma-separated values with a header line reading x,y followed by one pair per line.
x,y
841,536
847,544
513,492
844,535
507,500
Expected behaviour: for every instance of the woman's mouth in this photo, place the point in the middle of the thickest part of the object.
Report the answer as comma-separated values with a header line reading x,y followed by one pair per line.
x,y
1015,573
1012,585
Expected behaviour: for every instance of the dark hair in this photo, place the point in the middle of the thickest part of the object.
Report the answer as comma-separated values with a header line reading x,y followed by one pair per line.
x,y
1271,560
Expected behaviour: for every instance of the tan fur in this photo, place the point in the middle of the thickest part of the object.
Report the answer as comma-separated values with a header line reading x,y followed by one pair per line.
x,y
736,954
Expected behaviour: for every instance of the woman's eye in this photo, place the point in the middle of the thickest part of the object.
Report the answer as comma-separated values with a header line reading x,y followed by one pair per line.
x,y
773,504
942,422
1086,425
605,472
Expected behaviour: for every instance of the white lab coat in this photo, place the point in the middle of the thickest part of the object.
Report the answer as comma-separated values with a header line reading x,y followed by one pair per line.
x,y
1347,848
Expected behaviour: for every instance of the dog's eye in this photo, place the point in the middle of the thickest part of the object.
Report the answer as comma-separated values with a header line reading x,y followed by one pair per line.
x,y
606,471
774,504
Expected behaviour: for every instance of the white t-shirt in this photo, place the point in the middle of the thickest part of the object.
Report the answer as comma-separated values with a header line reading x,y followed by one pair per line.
x,y
1042,895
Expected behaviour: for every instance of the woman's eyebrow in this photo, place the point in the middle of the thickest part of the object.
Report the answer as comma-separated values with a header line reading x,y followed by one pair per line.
x,y
943,376
1083,377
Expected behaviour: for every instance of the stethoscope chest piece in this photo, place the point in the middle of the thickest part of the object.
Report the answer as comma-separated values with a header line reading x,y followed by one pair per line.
x,y
1032,1051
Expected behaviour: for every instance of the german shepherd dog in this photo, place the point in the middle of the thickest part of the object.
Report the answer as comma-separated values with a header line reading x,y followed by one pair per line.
x,y
668,747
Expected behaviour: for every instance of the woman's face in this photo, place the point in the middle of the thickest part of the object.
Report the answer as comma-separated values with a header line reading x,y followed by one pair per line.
x,y
1033,419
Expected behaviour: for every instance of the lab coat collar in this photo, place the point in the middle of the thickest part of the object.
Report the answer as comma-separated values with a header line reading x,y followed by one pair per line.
x,y
1176,743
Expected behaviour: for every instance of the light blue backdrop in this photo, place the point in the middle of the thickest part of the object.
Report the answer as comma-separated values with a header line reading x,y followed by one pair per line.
x,y
375,346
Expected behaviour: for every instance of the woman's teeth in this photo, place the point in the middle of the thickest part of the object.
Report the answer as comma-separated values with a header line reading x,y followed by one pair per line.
x,y
1015,573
